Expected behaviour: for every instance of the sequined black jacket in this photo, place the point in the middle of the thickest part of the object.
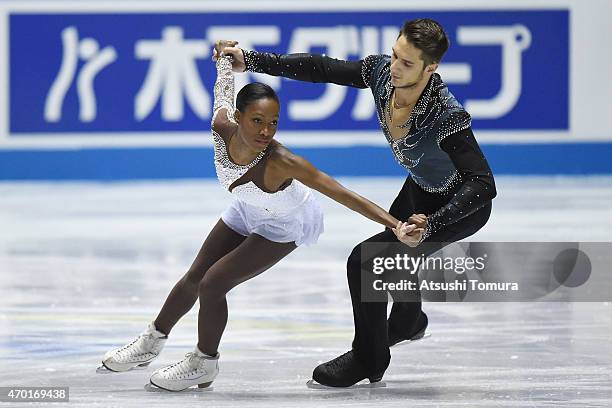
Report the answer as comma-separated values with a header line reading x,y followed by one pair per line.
x,y
439,148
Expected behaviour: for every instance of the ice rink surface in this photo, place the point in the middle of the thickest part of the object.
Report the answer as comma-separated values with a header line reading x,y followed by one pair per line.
x,y
85,266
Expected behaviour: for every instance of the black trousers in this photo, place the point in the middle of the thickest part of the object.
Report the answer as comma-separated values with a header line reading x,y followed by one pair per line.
x,y
370,343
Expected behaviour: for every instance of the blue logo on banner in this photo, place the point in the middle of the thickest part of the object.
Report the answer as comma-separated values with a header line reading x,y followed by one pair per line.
x,y
153,72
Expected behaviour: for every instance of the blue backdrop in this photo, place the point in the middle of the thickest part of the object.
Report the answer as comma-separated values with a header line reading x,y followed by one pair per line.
x,y
139,65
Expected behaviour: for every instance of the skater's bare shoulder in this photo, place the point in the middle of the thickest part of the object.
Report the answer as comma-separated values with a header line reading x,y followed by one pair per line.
x,y
281,157
285,164
284,161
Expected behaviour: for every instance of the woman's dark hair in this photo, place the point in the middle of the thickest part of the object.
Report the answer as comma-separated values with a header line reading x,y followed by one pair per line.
x,y
428,36
253,92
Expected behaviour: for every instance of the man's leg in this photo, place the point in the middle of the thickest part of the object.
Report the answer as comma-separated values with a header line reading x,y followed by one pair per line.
x,y
405,205
371,342
369,356
406,318
370,318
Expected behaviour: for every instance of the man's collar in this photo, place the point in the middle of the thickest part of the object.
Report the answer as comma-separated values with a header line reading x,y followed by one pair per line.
x,y
423,100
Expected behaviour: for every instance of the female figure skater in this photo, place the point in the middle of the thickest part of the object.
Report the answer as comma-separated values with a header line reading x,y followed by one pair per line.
x,y
273,213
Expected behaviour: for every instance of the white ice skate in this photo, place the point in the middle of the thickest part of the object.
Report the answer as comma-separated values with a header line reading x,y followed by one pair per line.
x,y
196,368
139,353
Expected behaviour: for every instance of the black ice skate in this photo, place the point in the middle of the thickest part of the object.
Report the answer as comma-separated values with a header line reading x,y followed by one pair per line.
x,y
344,371
395,338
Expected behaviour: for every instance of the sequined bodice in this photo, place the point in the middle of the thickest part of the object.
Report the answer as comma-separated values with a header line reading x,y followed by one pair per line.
x,y
278,203
436,115
227,171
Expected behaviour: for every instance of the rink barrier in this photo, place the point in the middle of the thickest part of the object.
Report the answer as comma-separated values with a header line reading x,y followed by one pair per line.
x,y
359,161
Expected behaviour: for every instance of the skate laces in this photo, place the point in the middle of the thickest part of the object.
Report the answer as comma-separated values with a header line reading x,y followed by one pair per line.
x,y
340,361
136,347
189,363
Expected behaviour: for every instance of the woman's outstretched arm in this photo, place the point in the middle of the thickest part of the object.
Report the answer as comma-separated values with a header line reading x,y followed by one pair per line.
x,y
296,167
288,165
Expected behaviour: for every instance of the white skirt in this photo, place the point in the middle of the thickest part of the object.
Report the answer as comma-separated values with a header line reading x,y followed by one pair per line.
x,y
303,225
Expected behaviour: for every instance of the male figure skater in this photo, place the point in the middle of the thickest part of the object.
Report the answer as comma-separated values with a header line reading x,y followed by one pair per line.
x,y
430,135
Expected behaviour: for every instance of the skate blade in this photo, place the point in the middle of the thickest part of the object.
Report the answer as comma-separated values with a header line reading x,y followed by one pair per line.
x,y
312,384
191,390
102,369
410,341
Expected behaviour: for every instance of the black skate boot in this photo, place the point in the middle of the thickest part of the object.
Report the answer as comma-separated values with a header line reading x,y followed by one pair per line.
x,y
396,338
343,371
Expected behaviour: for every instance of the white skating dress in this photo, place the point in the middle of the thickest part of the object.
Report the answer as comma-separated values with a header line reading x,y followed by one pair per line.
x,y
288,215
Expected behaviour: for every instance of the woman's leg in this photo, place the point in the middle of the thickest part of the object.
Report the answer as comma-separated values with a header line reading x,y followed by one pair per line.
x,y
219,242
253,256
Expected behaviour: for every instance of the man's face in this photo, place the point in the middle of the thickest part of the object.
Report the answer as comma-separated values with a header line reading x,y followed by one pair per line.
x,y
407,68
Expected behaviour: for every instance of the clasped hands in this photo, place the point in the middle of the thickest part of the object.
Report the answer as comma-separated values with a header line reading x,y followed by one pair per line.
x,y
411,232
228,48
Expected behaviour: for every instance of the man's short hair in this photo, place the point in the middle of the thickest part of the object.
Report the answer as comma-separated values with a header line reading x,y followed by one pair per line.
x,y
428,36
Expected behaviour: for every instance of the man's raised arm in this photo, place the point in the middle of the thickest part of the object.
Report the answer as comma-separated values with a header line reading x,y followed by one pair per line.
x,y
303,67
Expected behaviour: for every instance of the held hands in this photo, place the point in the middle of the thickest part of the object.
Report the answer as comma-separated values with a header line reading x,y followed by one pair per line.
x,y
420,220
227,47
411,232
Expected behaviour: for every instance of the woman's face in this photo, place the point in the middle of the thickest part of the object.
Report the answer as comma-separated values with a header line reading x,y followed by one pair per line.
x,y
257,124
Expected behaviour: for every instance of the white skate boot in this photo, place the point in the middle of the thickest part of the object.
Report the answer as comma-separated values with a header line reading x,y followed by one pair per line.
x,y
139,353
196,368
